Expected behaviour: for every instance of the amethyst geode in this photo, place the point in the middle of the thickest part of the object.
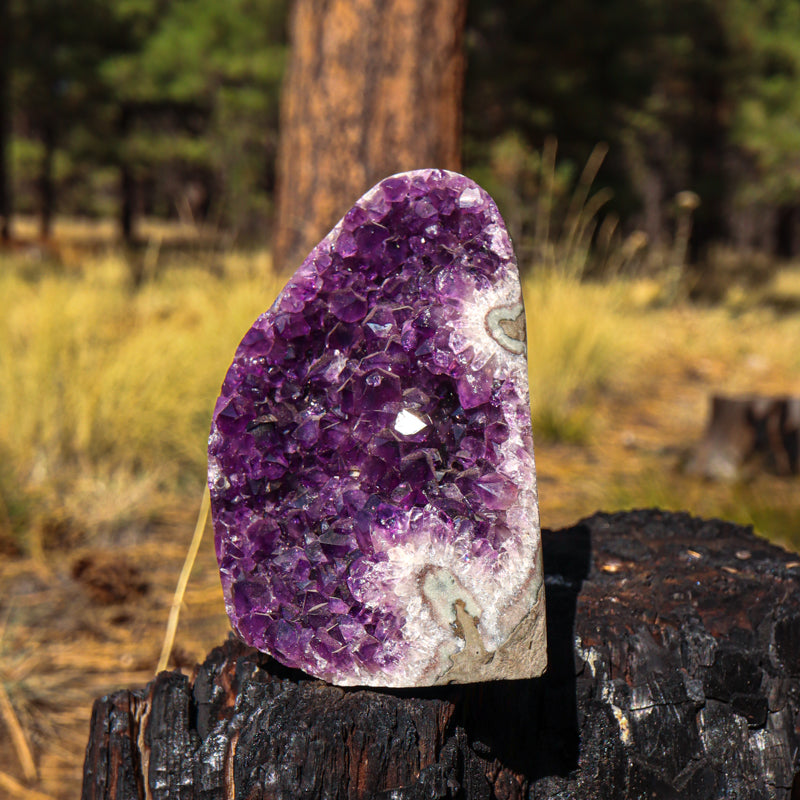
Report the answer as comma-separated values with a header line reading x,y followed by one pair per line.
x,y
371,460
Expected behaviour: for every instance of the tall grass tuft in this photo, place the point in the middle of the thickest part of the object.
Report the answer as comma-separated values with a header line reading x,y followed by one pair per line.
x,y
573,330
556,217
575,341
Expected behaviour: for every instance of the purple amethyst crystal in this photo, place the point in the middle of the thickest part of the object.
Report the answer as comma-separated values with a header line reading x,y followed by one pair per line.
x,y
371,460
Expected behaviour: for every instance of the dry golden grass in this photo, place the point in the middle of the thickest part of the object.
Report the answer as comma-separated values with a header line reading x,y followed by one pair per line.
x,y
64,644
578,340
651,405
105,394
105,399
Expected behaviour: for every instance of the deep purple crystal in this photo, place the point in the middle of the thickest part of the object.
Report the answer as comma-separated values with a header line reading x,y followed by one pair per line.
x,y
370,458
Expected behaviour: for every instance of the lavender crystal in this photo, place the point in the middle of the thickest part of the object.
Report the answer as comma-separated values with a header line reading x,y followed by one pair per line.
x,y
371,460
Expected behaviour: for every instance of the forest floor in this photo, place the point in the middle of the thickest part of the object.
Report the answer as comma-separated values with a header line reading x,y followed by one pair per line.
x,y
88,586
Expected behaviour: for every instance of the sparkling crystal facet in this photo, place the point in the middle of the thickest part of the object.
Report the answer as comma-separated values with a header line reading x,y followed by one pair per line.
x,y
371,460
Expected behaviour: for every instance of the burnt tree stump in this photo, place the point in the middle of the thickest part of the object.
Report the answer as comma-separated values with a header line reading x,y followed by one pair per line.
x,y
674,648
748,431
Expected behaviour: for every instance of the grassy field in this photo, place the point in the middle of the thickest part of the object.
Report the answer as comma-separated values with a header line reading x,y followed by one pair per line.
x,y
105,400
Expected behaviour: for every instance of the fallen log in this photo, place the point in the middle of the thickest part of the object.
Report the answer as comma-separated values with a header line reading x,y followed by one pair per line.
x,y
748,432
674,647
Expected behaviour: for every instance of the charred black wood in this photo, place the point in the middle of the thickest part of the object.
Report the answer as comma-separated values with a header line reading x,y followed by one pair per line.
x,y
674,648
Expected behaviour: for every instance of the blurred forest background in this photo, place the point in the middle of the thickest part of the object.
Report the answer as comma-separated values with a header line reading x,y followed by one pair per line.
x,y
170,109
165,164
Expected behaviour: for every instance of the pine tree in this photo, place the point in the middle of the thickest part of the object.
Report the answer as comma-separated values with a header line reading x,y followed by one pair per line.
x,y
373,88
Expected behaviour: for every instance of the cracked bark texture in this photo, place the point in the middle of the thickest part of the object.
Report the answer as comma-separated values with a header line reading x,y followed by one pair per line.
x,y
674,647
373,87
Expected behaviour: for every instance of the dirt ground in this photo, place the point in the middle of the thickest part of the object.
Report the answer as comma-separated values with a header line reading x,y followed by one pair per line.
x,y
76,625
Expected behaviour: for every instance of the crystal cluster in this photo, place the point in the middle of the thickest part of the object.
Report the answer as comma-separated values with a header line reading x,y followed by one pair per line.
x,y
371,460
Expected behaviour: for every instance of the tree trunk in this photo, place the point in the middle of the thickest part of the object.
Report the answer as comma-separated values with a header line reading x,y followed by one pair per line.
x,y
47,190
373,88
674,672
127,183
787,233
6,203
708,172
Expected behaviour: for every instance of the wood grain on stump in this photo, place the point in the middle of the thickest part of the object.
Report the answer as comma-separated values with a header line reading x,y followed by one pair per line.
x,y
674,648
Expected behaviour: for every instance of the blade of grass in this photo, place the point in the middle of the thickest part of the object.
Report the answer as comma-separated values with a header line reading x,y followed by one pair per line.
x,y
581,193
183,580
16,789
18,736
585,226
